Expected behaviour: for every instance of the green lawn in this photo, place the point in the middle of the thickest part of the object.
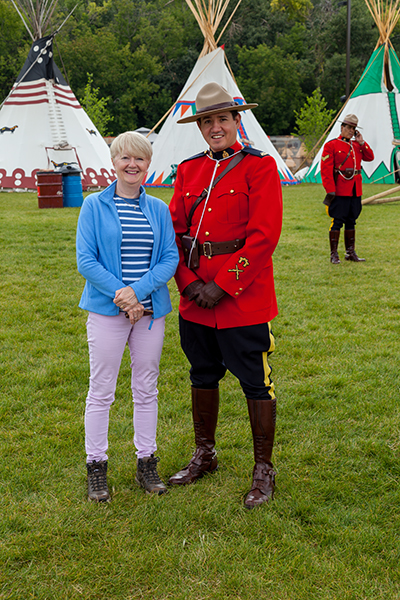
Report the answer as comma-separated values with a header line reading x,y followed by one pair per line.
x,y
332,531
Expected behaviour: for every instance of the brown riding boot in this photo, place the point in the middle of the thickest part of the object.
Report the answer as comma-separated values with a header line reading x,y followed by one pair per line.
x,y
205,405
349,240
262,419
334,240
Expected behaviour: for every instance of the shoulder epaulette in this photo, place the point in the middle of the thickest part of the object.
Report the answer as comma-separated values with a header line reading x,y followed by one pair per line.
x,y
195,156
254,152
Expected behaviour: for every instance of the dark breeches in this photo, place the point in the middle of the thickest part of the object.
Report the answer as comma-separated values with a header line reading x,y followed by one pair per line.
x,y
243,351
345,210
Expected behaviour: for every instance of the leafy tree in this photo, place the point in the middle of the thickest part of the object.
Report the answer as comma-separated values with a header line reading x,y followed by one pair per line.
x,y
11,59
96,107
296,9
333,79
312,121
271,79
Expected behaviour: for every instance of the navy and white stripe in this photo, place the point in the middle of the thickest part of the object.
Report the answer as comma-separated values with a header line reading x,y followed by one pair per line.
x,y
137,242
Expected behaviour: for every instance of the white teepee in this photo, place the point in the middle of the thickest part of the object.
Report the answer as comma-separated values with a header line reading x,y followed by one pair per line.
x,y
42,124
376,102
177,142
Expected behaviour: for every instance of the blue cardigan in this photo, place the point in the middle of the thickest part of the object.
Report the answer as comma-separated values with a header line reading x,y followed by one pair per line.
x,y
98,251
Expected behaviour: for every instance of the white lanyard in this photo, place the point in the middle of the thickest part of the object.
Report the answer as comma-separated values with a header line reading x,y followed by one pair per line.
x,y
217,163
354,164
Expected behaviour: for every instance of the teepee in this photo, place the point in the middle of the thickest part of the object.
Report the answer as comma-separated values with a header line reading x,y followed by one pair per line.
x,y
176,142
376,102
42,124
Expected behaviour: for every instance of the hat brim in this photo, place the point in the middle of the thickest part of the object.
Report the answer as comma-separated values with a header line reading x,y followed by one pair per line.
x,y
352,124
206,113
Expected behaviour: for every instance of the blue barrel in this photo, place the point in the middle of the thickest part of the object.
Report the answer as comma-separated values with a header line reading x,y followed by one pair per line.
x,y
72,187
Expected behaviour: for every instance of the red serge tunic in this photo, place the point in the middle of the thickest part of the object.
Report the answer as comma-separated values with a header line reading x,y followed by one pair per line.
x,y
246,203
334,153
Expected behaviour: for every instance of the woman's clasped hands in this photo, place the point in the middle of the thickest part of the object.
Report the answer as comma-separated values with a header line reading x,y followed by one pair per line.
x,y
126,300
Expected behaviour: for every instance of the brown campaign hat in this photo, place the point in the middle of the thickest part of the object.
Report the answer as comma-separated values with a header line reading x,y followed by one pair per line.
x,y
351,120
212,99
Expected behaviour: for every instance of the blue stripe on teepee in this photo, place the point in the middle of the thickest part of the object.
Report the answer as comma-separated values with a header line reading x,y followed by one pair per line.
x,y
150,179
178,106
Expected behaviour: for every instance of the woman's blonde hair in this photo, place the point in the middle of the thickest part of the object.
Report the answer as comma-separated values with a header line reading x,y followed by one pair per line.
x,y
133,144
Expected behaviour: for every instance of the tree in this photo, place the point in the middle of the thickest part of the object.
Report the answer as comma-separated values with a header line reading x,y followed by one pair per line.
x,y
295,9
95,107
312,120
271,79
12,56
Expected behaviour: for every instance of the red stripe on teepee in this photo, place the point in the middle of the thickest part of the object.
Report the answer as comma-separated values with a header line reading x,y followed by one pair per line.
x,y
69,97
27,101
28,86
69,104
28,94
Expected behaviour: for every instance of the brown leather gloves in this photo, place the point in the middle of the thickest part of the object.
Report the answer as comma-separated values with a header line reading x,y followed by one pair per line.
x,y
206,295
328,199
192,290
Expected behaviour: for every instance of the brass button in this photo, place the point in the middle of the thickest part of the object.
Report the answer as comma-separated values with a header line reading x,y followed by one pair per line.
x,y
209,257
236,293
207,233
240,289
187,193
210,209
232,191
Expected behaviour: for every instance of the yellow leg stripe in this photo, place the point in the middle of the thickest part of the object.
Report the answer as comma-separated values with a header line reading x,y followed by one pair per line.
x,y
267,369
271,340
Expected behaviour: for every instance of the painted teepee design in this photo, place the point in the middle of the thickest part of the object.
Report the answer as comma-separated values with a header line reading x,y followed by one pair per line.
x,y
177,142
376,102
42,124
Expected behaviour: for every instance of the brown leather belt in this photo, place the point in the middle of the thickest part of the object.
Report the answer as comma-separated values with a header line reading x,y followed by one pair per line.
x,y
214,248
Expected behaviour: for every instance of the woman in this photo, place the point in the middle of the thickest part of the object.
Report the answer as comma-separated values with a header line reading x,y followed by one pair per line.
x,y
126,251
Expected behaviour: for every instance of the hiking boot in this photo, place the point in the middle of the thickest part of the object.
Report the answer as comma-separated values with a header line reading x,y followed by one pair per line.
x,y
97,481
147,476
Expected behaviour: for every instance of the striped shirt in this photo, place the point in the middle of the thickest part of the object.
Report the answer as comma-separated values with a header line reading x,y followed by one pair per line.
x,y
137,242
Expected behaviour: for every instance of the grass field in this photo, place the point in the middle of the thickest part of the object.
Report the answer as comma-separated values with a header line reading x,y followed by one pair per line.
x,y
332,531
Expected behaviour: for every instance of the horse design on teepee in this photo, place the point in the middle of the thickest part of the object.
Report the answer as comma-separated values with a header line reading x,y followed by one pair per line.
x,y
49,125
176,143
376,102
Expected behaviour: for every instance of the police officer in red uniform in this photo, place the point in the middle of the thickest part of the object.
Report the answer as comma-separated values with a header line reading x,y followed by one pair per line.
x,y
341,178
227,215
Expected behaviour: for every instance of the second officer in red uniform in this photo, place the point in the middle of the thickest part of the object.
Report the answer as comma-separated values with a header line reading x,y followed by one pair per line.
x,y
341,178
227,215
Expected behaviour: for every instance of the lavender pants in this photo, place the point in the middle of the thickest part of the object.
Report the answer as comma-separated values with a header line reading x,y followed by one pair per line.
x,y
107,338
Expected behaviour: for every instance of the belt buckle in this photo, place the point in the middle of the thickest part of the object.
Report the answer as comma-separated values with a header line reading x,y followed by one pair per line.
x,y
207,249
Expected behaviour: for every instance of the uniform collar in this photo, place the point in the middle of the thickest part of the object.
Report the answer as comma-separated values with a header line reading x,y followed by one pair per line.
x,y
225,153
343,139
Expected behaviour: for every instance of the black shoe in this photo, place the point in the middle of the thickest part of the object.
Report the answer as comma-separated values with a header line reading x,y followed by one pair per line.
x,y
97,481
147,476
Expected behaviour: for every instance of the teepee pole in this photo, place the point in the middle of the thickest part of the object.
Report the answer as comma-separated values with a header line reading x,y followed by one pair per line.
x,y
181,96
208,14
23,20
381,195
228,21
